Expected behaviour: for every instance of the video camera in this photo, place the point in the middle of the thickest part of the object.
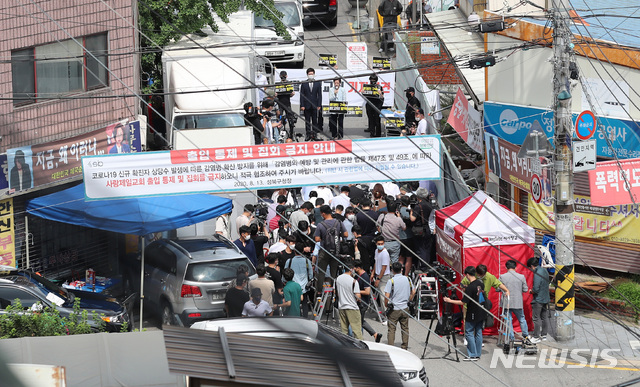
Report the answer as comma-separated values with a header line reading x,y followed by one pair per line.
x,y
443,273
261,212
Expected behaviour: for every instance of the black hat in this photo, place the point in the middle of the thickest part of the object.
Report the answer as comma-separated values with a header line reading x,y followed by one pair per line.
x,y
283,74
410,89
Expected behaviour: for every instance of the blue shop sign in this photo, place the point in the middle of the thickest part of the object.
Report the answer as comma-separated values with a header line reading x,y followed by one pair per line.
x,y
512,122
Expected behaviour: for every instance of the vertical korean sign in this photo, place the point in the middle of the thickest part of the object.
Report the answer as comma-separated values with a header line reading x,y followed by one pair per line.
x,y
466,122
7,234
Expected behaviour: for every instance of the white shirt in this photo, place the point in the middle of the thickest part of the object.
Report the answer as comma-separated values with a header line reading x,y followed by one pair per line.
x,y
347,288
382,259
341,199
223,226
326,194
422,127
241,220
391,188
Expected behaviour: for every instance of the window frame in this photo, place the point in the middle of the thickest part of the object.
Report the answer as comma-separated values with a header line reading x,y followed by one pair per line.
x,y
23,98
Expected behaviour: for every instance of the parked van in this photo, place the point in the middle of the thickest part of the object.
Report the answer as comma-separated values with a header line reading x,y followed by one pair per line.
x,y
276,48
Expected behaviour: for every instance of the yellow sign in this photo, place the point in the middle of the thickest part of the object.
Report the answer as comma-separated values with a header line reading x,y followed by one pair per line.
x,y
565,292
621,226
7,234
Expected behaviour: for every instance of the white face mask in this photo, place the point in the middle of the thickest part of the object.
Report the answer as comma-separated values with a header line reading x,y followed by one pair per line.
x,y
246,238
311,77
351,217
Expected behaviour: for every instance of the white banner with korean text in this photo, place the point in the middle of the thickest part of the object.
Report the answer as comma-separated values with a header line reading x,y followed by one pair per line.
x,y
262,166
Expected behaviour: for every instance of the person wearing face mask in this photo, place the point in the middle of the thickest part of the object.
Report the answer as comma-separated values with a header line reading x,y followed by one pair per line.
x,y
381,272
349,221
422,122
283,97
311,104
374,98
413,104
336,120
246,245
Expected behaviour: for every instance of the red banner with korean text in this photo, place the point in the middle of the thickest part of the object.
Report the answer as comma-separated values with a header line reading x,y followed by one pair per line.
x,y
615,182
7,234
466,121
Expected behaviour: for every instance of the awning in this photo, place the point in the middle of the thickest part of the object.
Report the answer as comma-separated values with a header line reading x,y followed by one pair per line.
x,y
453,30
138,216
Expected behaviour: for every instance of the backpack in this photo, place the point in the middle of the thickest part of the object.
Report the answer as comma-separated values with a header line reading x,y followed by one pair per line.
x,y
332,237
486,303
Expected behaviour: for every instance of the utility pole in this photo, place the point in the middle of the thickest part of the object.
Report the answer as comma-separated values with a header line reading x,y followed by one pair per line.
x,y
563,165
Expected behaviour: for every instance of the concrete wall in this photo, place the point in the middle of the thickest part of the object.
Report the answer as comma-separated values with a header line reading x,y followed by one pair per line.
x,y
23,25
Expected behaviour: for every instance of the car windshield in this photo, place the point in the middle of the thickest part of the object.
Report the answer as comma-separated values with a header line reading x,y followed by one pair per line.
x,y
46,287
291,16
329,335
216,271
209,121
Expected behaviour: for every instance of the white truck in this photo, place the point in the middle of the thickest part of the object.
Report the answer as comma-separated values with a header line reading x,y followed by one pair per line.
x,y
207,81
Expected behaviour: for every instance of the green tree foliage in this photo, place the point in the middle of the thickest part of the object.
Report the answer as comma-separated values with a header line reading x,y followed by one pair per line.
x,y
165,21
22,322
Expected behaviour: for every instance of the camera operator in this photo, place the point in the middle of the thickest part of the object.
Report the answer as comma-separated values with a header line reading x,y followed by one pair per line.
x,y
245,218
406,236
302,214
475,316
304,235
270,121
398,292
253,118
421,233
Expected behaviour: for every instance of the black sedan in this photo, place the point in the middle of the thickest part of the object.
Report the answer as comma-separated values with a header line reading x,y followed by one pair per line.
x,y
37,293
325,11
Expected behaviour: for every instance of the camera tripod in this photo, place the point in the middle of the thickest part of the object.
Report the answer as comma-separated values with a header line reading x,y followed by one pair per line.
x,y
448,330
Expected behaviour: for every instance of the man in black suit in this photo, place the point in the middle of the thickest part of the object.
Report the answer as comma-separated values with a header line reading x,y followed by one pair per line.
x,y
311,104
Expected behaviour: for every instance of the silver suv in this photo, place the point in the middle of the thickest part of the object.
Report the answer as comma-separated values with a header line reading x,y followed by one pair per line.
x,y
187,280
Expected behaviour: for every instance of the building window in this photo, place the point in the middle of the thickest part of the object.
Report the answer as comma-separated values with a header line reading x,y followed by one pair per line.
x,y
59,68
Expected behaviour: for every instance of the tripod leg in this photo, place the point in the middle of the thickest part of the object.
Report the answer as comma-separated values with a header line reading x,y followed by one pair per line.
x,y
426,341
455,347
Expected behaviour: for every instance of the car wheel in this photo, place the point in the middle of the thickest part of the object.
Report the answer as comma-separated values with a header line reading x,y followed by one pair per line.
x,y
166,316
299,65
333,22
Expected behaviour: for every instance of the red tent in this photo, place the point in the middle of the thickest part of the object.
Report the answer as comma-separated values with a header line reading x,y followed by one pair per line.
x,y
477,230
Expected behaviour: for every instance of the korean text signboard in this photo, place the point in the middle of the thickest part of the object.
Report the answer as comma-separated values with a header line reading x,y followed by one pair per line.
x,y
512,123
41,164
613,183
7,234
617,223
466,121
262,166
357,56
503,160
328,60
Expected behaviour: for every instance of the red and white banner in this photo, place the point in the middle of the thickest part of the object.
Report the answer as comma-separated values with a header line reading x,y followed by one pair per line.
x,y
608,185
466,121
262,167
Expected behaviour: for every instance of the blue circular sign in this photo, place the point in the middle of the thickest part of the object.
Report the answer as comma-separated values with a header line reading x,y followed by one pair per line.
x,y
585,125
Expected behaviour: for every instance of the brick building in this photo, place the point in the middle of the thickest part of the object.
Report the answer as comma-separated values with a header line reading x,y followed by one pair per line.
x,y
41,62
68,74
